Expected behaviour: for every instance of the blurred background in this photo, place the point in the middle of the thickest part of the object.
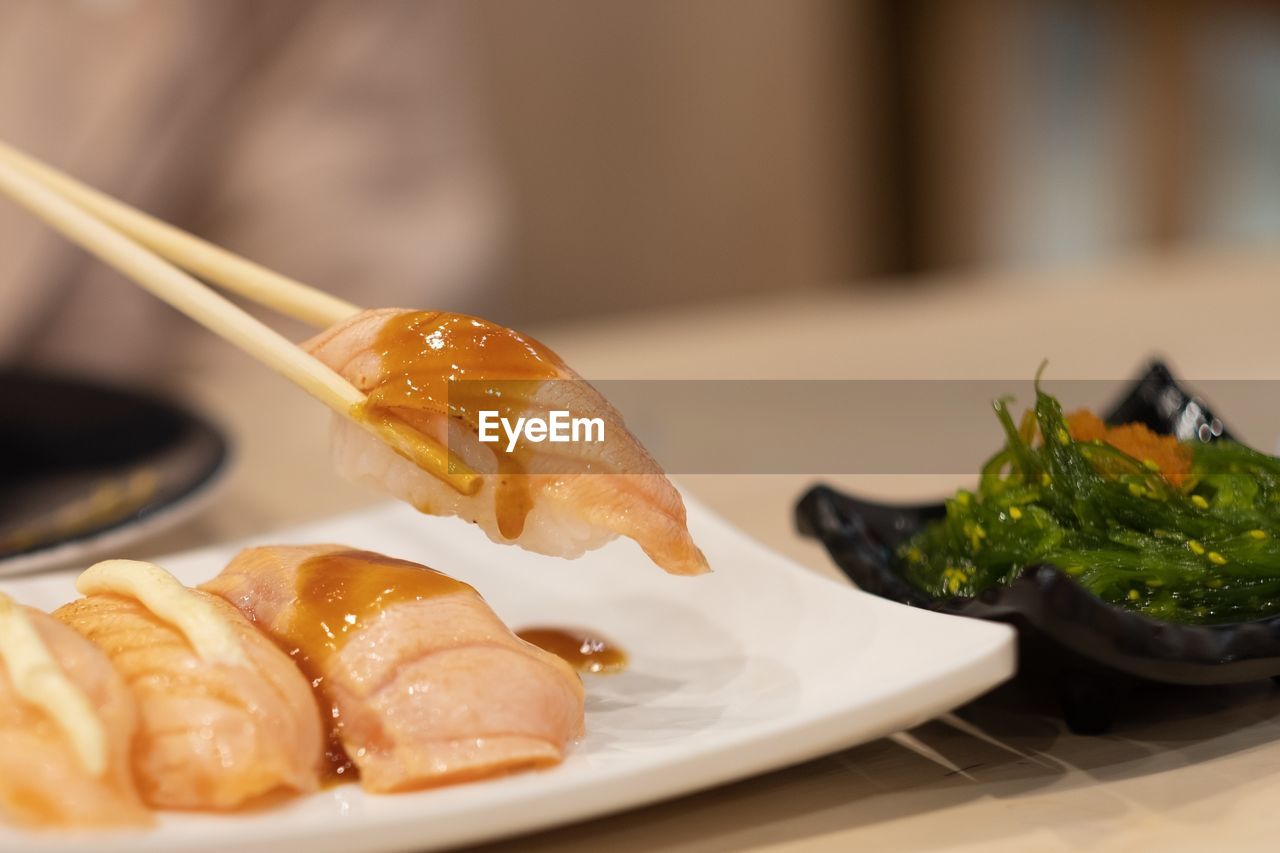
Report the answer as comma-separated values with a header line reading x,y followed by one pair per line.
x,y
567,159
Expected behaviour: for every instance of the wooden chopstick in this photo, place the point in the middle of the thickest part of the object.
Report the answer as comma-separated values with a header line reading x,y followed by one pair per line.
x,y
225,319
199,257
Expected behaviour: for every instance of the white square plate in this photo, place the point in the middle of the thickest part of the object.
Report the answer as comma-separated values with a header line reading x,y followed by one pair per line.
x,y
755,666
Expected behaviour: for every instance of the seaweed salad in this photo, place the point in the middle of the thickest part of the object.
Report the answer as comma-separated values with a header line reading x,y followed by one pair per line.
x,y
1184,531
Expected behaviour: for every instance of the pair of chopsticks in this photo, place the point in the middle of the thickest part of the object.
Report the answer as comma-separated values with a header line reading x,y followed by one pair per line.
x,y
155,254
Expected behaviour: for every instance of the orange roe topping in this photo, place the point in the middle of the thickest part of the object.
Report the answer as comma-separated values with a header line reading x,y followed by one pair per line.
x,y
1171,456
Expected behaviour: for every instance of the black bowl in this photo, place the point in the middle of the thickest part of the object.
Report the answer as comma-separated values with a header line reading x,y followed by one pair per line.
x,y
85,467
1091,651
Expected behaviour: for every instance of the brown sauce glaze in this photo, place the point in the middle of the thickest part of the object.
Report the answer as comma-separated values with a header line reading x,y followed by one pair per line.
x,y
339,594
338,766
585,651
423,351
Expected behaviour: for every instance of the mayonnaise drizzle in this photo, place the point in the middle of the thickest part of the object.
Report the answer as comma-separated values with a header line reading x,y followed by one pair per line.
x,y
207,630
40,681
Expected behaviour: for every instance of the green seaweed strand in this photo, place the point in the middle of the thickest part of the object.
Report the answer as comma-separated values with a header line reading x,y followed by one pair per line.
x,y
1207,552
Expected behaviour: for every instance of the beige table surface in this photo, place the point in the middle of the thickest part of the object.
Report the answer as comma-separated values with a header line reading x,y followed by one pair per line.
x,y
1186,769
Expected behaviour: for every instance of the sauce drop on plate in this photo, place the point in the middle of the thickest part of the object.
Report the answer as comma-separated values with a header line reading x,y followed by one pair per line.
x,y
585,651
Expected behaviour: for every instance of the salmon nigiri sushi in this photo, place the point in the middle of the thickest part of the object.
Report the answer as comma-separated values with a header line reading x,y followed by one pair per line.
x,y
225,715
67,723
423,683
439,372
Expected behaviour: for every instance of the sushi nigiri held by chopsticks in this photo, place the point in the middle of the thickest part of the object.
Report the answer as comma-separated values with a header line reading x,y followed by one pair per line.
x,y
435,371
424,684
67,723
225,716
553,502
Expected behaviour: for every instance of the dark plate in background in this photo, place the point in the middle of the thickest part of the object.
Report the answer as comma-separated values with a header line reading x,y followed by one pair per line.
x,y
1090,651
84,467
